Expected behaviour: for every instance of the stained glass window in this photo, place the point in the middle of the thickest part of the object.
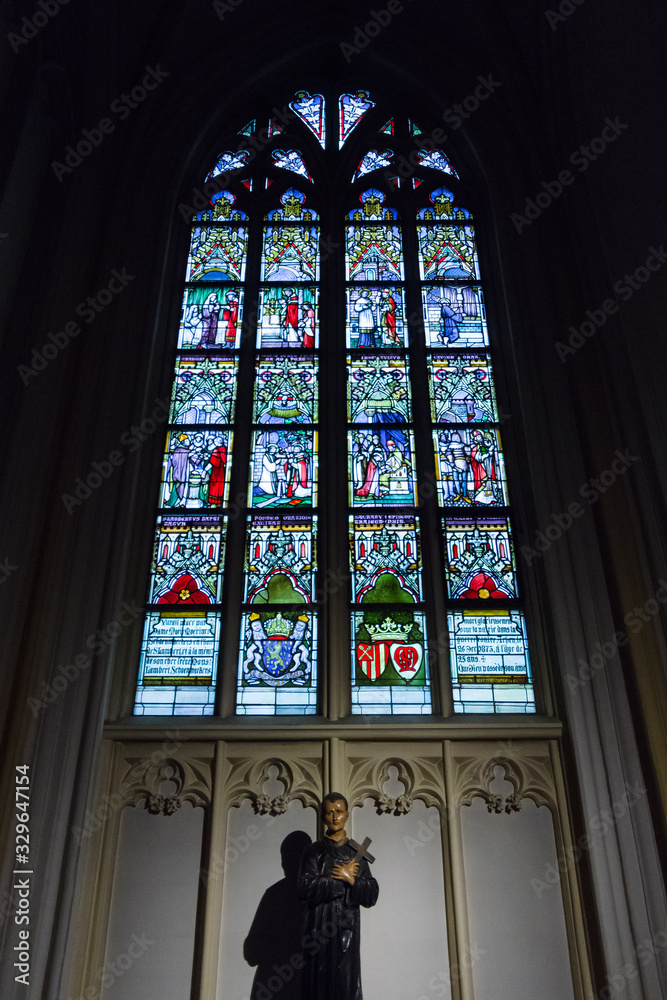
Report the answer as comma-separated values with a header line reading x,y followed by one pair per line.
x,y
288,434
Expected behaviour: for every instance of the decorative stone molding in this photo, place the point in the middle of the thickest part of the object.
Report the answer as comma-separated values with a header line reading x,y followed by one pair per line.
x,y
421,774
525,764
145,770
246,770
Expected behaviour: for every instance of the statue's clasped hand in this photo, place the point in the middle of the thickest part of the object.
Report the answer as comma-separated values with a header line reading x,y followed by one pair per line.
x,y
346,873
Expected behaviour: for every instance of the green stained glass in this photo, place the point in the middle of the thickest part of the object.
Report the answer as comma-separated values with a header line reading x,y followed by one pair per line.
x,y
480,560
217,253
378,389
288,317
291,253
204,390
280,559
285,390
447,251
385,558
211,317
373,253
461,389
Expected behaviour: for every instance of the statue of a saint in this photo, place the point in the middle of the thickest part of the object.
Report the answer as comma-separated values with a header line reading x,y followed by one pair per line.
x,y
334,881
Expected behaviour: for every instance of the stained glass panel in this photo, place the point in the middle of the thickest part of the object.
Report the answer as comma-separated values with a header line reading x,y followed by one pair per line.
x,y
291,253
211,317
436,160
480,560
221,210
288,317
373,160
385,558
196,467
187,561
454,316
489,661
293,208
470,467
381,467
443,208
352,109
461,388
283,468
372,208
388,129
310,109
375,317
378,389
389,663
217,253
278,663
204,390
414,129
447,252
290,160
229,161
373,253
285,390
280,559
179,658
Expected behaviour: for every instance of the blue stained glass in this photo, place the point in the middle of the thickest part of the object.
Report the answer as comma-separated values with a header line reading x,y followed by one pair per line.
x,y
352,107
280,559
372,208
288,317
286,390
388,129
187,561
447,251
221,210
436,160
290,160
373,160
250,128
204,390
283,468
461,388
489,662
480,560
378,389
229,161
443,208
217,253
310,110
211,317
376,317
413,128
293,208
381,467
196,468
278,664
454,316
470,467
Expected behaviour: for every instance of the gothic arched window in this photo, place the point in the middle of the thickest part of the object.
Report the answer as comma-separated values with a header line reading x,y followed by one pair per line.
x,y
333,534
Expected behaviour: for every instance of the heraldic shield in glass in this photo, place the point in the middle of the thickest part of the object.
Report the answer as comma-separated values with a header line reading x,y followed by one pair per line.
x,y
278,663
390,663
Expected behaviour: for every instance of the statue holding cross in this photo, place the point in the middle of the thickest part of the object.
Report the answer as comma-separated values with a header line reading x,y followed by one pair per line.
x,y
334,881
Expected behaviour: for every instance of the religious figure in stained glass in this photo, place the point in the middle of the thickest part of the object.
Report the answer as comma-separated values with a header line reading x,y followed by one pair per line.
x,y
288,317
375,317
195,469
470,467
381,467
454,315
282,468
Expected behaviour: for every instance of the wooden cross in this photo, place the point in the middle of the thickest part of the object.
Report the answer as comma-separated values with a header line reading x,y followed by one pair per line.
x,y
362,850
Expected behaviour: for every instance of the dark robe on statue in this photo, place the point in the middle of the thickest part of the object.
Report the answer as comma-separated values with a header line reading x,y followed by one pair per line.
x,y
332,969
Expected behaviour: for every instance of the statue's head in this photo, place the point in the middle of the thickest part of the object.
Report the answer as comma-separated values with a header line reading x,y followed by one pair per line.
x,y
335,812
